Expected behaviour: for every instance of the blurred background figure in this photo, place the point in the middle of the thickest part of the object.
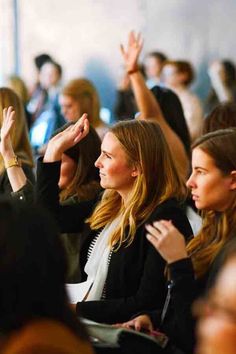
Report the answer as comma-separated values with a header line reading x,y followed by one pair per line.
x,y
223,81
125,105
80,96
153,64
44,106
223,116
178,75
35,315
19,87
19,138
217,312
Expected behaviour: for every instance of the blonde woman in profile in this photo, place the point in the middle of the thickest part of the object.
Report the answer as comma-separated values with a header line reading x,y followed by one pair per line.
x,y
80,96
122,273
19,138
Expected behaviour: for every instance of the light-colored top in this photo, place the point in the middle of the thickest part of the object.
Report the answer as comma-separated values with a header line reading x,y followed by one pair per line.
x,y
193,111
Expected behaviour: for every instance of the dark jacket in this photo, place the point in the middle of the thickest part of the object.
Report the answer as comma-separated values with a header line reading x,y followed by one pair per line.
x,y
135,279
5,186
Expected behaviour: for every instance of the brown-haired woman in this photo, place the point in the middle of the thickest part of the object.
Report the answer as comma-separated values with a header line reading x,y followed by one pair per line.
x,y
122,272
80,96
213,187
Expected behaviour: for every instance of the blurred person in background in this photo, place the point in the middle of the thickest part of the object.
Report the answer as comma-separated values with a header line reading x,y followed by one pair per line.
x,y
153,64
80,96
178,75
19,87
44,106
223,116
222,75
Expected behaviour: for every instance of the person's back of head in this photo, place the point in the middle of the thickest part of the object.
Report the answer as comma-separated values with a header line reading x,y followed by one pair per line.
x,y
223,116
173,113
32,268
20,140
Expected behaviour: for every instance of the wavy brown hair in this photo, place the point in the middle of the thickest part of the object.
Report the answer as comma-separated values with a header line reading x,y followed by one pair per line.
x,y
217,226
158,180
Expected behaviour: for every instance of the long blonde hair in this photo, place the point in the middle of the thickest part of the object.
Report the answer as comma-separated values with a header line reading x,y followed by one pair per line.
x,y
217,226
84,92
19,134
158,180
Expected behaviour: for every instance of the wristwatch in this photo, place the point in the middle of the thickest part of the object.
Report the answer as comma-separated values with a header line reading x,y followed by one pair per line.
x,y
15,161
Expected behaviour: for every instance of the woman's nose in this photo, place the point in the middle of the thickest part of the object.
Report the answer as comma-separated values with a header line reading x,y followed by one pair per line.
x,y
98,162
190,182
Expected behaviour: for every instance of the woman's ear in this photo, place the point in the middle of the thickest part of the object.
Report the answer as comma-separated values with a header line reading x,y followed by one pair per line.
x,y
233,181
135,171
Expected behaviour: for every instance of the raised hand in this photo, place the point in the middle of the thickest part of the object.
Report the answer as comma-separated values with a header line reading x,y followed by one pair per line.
x,y
132,51
66,139
6,148
167,240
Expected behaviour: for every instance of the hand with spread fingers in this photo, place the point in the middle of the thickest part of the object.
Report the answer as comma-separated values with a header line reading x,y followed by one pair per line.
x,y
66,139
6,148
167,240
139,323
132,51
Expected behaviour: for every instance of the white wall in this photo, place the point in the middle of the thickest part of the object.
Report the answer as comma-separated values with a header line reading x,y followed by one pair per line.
x,y
84,35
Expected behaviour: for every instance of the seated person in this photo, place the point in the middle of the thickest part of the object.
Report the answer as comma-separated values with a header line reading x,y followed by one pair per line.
x,y
213,188
34,313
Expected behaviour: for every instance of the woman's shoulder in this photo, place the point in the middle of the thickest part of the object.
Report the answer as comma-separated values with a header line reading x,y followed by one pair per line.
x,y
169,204
172,209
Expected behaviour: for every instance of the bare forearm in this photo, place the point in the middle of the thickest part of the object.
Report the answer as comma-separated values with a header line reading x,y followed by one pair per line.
x,y
15,174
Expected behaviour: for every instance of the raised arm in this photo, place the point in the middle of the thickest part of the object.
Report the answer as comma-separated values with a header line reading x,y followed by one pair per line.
x,y
147,103
15,173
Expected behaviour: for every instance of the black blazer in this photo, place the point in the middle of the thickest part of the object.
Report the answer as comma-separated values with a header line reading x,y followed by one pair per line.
x,y
135,279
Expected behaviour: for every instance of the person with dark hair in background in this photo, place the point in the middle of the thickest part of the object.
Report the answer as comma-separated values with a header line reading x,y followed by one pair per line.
x,y
34,313
153,64
44,106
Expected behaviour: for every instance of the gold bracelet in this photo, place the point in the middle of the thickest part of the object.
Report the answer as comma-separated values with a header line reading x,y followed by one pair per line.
x,y
13,162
